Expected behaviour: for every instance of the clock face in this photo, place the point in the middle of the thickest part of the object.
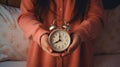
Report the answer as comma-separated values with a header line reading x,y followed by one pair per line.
x,y
59,40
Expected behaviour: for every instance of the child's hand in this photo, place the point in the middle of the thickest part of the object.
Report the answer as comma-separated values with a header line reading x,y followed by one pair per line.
x,y
75,42
45,45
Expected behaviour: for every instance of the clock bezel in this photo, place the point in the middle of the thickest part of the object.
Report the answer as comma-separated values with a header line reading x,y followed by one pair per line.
x,y
50,43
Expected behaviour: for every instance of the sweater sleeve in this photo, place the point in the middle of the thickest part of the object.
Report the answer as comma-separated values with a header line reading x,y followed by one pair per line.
x,y
32,28
91,27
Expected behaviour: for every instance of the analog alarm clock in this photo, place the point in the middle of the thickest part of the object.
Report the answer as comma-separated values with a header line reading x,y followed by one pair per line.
x,y
59,38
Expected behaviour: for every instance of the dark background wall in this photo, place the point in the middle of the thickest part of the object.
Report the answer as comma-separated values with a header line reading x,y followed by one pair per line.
x,y
108,4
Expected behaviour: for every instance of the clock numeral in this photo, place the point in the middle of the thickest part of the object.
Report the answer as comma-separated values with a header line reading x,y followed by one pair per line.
x,y
65,36
61,33
54,36
66,40
53,40
58,46
64,43
57,34
63,46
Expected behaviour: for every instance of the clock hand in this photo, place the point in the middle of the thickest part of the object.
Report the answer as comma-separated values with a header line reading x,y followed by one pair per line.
x,y
59,37
57,41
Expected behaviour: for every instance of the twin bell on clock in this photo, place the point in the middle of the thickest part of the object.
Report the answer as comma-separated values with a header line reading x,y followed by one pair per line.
x,y
65,26
59,38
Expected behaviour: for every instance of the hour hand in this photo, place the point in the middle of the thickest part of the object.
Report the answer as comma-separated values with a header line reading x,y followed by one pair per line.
x,y
56,42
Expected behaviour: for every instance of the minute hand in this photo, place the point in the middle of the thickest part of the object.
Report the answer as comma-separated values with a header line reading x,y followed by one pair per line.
x,y
60,37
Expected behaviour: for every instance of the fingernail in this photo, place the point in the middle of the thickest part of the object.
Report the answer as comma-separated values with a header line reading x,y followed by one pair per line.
x,y
50,50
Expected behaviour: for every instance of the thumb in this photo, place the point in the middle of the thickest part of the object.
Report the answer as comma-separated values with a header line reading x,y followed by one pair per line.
x,y
46,48
74,44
